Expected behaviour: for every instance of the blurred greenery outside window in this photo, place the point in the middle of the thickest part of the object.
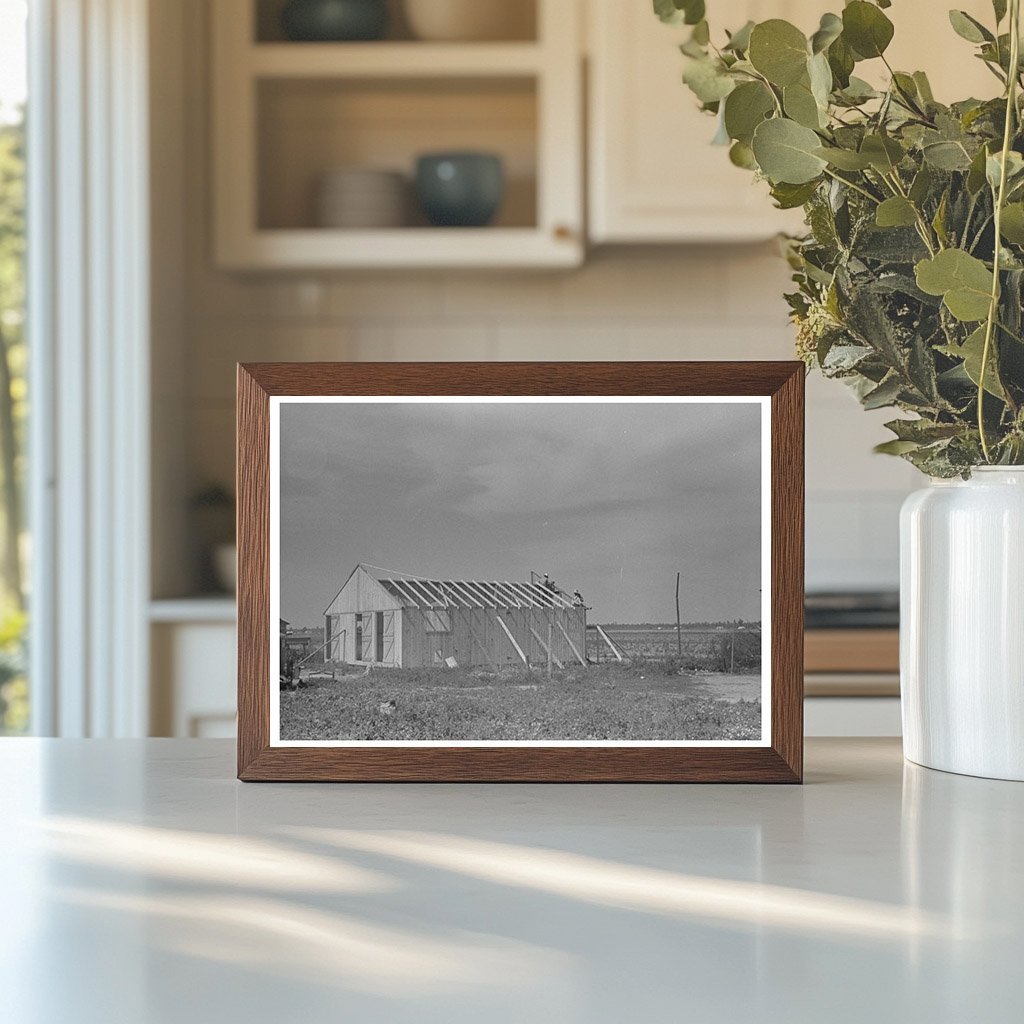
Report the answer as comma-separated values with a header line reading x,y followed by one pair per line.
x,y
14,549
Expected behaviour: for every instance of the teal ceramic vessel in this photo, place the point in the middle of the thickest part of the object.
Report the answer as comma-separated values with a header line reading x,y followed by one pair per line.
x,y
462,190
334,21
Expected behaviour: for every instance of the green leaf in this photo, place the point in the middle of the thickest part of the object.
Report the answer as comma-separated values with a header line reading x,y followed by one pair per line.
x,y
841,60
963,281
695,11
858,91
739,41
976,174
676,12
947,156
924,87
708,80
1012,225
896,212
800,105
746,107
820,76
844,159
939,220
866,29
921,185
887,393
906,90
882,153
923,431
785,152
741,155
972,352
896,447
778,50
1014,169
830,29
969,28
789,197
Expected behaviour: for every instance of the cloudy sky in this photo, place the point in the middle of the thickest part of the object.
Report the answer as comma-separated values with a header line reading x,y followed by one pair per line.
x,y
611,499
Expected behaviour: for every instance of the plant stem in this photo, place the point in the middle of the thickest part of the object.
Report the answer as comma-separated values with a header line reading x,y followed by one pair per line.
x,y
1000,199
923,228
856,188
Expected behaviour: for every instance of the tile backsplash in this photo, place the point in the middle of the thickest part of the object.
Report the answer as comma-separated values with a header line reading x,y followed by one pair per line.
x,y
699,303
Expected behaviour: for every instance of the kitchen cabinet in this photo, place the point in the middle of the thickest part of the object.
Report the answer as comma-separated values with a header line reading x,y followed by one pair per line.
x,y
653,175
192,653
287,113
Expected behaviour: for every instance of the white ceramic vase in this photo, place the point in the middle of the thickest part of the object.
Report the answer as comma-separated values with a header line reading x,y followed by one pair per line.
x,y
962,624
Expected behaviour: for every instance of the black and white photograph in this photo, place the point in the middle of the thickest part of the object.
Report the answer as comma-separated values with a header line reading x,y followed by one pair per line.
x,y
505,571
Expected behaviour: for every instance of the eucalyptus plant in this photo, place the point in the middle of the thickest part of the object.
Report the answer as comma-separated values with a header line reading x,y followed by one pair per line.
x,y
910,278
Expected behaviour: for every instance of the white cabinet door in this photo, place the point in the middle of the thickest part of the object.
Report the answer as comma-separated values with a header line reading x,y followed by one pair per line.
x,y
193,679
653,175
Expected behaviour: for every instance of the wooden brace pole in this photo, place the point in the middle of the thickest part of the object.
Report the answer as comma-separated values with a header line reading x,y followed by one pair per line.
x,y
611,646
512,640
575,649
547,649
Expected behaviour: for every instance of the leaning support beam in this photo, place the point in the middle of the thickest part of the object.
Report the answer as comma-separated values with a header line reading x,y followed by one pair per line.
x,y
547,650
512,640
611,646
575,649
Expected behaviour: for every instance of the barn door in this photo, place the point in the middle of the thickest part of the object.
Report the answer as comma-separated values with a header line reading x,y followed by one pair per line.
x,y
366,634
386,638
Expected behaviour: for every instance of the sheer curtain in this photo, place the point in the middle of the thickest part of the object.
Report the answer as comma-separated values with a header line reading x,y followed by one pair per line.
x,y
88,301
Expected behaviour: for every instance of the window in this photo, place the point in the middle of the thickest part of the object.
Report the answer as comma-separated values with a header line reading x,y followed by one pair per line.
x,y
14,704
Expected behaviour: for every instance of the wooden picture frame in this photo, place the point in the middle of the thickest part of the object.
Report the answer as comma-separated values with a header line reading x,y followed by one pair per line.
x,y
779,758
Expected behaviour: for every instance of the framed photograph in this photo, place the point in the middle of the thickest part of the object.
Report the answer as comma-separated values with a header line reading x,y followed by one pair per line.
x,y
520,572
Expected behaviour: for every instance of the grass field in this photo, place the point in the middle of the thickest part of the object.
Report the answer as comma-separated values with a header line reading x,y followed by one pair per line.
x,y
636,701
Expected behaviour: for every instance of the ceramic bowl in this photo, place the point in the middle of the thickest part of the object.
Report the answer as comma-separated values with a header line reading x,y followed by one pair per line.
x,y
358,197
334,20
460,189
470,20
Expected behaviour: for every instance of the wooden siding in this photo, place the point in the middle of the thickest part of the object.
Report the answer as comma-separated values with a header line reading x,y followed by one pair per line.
x,y
476,638
362,593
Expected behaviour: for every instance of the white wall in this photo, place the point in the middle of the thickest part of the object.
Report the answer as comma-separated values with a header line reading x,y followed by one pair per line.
x,y
669,303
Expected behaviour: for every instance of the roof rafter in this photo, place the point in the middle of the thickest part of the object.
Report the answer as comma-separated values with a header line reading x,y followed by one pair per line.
x,y
433,598
489,598
506,589
403,591
462,588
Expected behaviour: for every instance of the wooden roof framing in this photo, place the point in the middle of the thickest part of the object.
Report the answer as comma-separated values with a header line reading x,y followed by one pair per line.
x,y
421,593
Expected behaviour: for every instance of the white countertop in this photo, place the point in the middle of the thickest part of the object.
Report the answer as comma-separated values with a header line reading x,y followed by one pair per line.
x,y
143,885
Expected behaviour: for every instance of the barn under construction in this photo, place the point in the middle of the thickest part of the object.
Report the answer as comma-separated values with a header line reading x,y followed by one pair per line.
x,y
405,621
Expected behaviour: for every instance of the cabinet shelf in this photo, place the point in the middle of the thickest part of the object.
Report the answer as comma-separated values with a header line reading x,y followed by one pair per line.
x,y
310,248
286,113
393,60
